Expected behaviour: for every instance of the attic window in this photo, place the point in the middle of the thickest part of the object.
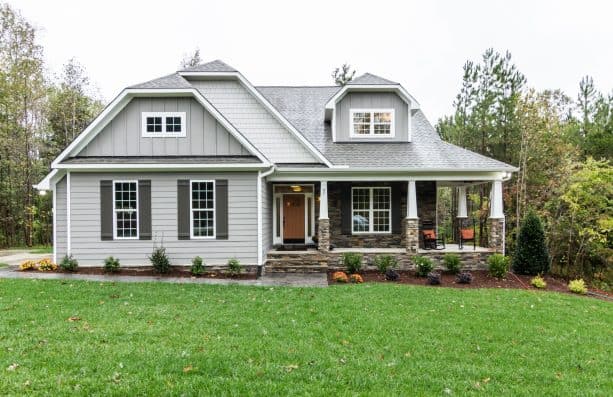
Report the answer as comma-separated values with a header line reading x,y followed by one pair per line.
x,y
163,124
372,123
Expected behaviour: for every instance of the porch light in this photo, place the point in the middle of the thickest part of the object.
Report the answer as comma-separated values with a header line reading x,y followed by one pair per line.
x,y
296,188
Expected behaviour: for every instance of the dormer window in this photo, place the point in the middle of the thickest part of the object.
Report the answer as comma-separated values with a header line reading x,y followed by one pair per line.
x,y
163,124
372,123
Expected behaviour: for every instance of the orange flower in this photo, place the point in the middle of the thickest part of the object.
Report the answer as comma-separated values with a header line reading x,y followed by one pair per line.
x,y
340,277
356,278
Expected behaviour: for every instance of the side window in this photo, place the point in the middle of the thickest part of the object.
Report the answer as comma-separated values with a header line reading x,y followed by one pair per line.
x,y
163,124
202,209
125,209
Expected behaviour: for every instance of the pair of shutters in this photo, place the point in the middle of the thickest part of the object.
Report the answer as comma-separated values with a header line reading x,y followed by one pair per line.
x,y
144,209
346,210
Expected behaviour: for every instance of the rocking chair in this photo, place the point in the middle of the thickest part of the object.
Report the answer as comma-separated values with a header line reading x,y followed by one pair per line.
x,y
467,234
429,237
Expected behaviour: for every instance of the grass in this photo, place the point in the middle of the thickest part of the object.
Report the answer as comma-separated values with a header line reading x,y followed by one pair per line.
x,y
90,338
35,249
3,265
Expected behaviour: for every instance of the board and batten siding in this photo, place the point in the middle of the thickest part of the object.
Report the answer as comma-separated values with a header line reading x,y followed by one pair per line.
x,y
371,100
205,135
60,219
88,248
254,121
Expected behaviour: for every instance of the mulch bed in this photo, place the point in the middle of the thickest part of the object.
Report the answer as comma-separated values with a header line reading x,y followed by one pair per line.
x,y
175,271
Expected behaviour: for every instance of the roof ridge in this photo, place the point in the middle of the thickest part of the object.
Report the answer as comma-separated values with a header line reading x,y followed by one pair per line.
x,y
216,65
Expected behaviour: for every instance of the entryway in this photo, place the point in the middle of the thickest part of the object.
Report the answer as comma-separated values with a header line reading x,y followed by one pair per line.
x,y
293,214
293,218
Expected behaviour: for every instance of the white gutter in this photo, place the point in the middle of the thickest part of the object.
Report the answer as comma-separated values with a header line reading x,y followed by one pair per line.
x,y
261,176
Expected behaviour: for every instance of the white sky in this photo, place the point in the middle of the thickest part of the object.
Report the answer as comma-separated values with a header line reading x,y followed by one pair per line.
x,y
421,44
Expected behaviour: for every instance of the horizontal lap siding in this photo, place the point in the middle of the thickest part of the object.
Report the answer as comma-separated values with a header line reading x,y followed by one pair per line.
x,y
60,219
266,218
88,248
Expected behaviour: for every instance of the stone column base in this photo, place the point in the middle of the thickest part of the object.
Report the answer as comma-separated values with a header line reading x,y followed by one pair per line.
x,y
323,235
496,238
412,235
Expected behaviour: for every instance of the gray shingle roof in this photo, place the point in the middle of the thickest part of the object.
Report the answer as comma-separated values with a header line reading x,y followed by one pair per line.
x,y
213,66
170,81
371,79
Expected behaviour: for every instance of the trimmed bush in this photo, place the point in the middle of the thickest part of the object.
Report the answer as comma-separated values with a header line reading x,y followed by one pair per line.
x,y
159,260
356,279
452,263
68,263
423,265
538,282
197,267
340,277
352,262
498,265
577,286
391,275
111,265
434,278
531,255
384,262
235,267
464,278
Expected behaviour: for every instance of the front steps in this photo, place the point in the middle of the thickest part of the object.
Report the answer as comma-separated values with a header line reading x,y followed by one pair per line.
x,y
296,262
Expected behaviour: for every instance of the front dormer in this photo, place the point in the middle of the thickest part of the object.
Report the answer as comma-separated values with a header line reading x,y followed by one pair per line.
x,y
371,109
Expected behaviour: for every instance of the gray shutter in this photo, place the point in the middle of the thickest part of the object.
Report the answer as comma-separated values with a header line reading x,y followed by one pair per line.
x,y
396,210
221,209
346,208
183,205
106,210
144,209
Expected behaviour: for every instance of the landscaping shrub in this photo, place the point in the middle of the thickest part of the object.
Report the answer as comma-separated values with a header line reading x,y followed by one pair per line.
x,y
197,266
498,265
384,262
352,262
235,267
27,265
111,265
68,263
46,265
538,282
391,275
452,263
340,277
577,286
531,255
423,265
356,278
159,260
434,278
464,278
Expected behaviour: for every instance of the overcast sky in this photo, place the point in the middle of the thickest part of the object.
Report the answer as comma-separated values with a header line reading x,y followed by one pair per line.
x,y
421,44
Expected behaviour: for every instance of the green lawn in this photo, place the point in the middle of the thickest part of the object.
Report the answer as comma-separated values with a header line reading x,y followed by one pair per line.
x,y
375,339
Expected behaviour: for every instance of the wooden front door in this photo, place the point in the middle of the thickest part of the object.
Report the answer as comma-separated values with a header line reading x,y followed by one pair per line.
x,y
293,218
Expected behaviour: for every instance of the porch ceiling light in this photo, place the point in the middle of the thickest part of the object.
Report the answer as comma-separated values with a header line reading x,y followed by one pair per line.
x,y
296,188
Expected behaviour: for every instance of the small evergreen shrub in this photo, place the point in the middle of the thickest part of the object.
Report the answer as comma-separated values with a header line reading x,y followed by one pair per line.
x,y
531,255
159,260
577,286
538,282
356,278
197,267
498,265
111,265
352,262
340,277
384,262
235,267
464,278
452,263
423,265
391,275
68,263
434,278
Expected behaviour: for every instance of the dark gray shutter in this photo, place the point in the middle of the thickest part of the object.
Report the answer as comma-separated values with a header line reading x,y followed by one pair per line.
x,y
345,208
221,209
106,210
144,209
396,210
183,205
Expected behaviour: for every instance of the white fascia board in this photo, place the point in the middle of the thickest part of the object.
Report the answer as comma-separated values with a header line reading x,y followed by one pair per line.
x,y
163,167
408,98
381,175
264,102
45,183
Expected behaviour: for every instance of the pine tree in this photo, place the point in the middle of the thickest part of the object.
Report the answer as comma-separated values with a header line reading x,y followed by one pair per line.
x,y
531,255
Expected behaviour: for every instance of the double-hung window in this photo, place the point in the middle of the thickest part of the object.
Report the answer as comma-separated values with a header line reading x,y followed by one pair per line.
x,y
163,124
202,209
371,209
125,209
372,123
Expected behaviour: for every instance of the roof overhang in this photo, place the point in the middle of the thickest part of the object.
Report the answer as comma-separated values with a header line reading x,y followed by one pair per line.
x,y
387,174
395,88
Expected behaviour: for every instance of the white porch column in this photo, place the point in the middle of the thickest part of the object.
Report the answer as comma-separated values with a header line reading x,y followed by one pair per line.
x,y
323,231
496,201
412,222
323,200
496,220
411,201
462,213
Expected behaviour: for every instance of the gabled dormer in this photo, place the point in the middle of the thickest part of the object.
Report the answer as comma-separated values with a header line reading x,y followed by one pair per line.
x,y
371,109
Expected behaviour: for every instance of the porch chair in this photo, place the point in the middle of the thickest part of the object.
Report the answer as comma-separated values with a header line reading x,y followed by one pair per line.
x,y
429,238
467,234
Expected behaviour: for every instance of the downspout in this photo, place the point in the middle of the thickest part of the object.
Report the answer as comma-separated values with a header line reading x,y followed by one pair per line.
x,y
261,176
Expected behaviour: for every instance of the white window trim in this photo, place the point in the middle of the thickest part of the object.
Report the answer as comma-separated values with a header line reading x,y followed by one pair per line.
x,y
163,134
372,134
115,237
191,210
371,210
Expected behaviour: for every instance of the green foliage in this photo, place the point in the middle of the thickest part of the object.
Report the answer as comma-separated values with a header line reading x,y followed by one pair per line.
x,y
531,255
577,286
159,260
498,265
423,265
452,263
69,263
538,282
352,262
111,265
234,266
197,267
384,262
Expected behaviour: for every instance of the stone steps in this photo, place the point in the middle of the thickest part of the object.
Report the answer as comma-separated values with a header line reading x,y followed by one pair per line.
x,y
284,262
